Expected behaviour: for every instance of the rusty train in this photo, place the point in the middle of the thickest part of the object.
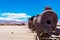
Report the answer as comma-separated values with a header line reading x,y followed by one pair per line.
x,y
45,24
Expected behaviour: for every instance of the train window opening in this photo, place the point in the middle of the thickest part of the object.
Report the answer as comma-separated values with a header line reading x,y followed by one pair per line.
x,y
48,22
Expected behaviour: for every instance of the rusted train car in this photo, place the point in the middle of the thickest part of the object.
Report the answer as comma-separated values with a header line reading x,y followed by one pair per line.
x,y
30,23
45,25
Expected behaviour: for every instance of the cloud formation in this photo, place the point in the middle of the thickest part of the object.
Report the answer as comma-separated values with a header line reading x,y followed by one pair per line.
x,y
14,16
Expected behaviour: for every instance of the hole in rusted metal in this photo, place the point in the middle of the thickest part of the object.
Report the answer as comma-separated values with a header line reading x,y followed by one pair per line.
x,y
48,22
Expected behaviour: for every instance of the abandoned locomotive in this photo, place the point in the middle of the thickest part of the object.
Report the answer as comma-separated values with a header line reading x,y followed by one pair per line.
x,y
45,24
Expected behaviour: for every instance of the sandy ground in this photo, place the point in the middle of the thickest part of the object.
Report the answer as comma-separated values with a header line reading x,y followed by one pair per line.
x,y
16,33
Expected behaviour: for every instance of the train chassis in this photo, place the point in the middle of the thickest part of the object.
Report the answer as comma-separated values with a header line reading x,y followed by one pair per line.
x,y
50,38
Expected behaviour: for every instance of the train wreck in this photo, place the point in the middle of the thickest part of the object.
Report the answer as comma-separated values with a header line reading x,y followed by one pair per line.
x,y
45,25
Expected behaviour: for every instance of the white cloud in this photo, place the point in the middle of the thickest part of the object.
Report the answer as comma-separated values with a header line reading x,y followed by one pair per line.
x,y
1,18
14,16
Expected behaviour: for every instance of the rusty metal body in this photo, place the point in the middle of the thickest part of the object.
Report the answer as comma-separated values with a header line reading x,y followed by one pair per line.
x,y
46,23
30,23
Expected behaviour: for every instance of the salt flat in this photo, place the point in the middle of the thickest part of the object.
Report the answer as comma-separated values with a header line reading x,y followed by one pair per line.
x,y
16,33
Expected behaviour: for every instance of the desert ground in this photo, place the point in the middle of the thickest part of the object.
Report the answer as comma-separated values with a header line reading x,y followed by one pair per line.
x,y
16,33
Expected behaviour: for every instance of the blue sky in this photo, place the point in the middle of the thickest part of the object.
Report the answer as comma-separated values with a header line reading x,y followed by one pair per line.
x,y
23,9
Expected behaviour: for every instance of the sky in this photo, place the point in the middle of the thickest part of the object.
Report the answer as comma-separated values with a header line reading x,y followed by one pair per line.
x,y
23,9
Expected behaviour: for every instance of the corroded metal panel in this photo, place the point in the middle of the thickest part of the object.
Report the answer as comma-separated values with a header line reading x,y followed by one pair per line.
x,y
46,23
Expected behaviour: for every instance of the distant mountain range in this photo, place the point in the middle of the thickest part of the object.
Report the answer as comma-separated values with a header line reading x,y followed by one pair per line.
x,y
58,23
16,22
12,22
